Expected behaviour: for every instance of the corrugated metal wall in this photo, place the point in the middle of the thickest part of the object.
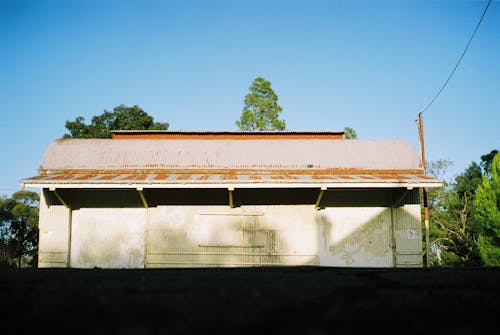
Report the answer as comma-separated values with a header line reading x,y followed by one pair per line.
x,y
54,232
108,230
408,235
355,237
212,236
112,229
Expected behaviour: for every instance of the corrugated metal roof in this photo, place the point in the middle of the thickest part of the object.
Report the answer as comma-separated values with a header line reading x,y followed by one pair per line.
x,y
230,163
236,179
220,135
165,154
230,132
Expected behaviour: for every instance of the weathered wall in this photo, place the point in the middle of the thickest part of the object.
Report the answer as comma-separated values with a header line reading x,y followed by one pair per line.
x,y
187,236
355,237
408,236
108,230
108,238
54,230
112,229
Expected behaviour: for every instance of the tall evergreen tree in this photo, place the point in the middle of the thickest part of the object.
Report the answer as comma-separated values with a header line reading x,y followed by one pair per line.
x,y
261,110
487,215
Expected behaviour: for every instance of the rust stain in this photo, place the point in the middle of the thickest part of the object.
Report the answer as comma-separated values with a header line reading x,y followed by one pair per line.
x,y
161,176
135,177
203,177
61,177
229,177
183,177
37,177
194,170
255,177
107,176
86,177
225,135
386,177
322,177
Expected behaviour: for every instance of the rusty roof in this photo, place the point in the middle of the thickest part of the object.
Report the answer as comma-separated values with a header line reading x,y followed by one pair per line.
x,y
271,162
240,180
293,154
220,135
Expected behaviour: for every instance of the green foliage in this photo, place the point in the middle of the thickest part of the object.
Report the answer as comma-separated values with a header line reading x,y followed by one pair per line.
x,y
19,228
465,215
466,183
350,133
261,110
452,238
487,215
487,160
121,118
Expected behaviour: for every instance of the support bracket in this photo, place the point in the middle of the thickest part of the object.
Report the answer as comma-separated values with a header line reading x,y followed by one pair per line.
x,y
320,196
400,200
231,198
143,197
58,196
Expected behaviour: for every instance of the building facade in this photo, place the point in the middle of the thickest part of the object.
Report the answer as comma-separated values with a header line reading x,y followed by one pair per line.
x,y
225,199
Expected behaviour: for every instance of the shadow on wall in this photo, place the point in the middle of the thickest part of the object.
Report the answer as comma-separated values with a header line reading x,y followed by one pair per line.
x,y
270,227
360,239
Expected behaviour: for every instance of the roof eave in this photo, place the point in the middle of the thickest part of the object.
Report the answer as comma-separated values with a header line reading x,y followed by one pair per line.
x,y
223,185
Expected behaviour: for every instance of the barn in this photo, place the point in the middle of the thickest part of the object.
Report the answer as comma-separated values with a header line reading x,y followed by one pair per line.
x,y
162,199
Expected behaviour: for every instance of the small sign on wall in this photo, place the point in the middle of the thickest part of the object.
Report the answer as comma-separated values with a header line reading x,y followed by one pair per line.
x,y
411,234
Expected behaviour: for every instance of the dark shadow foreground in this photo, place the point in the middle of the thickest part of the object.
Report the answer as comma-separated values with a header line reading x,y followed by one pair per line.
x,y
275,300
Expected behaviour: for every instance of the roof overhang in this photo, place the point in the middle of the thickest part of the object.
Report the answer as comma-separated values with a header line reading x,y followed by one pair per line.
x,y
228,180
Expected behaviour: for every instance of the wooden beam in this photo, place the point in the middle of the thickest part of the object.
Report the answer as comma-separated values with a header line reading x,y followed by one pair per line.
x,y
320,196
400,200
143,197
231,199
58,196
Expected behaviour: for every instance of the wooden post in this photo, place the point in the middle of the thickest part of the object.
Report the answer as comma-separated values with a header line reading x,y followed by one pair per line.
x,y
426,208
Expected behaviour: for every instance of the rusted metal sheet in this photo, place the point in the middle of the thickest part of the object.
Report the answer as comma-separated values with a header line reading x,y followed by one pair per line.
x,y
221,135
226,154
215,178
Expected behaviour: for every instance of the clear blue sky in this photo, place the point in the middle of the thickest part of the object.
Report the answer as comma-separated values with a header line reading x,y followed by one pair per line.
x,y
369,65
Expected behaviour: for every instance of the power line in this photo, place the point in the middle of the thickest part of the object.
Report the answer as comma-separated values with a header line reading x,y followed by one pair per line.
x,y
459,60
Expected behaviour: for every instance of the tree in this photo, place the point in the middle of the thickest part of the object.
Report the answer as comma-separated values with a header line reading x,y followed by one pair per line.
x,y
487,160
261,110
350,133
19,228
121,118
452,237
487,214
467,182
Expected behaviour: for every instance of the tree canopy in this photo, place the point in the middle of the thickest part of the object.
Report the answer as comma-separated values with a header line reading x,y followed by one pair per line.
x,y
261,110
465,214
121,118
19,228
350,133
487,214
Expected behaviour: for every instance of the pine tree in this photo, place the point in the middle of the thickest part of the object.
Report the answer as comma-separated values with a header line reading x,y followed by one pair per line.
x,y
261,110
487,215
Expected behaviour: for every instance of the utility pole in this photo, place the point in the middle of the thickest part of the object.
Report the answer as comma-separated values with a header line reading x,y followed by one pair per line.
x,y
426,208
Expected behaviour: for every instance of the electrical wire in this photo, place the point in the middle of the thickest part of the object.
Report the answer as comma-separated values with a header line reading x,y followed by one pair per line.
x,y
459,60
